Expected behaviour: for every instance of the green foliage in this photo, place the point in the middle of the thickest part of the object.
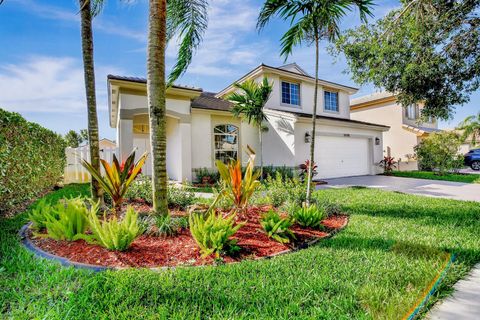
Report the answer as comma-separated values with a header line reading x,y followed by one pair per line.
x,y
118,177
163,225
439,151
73,139
456,177
38,215
180,196
67,220
32,159
212,231
114,234
471,129
206,176
309,216
284,171
277,227
280,190
141,188
420,52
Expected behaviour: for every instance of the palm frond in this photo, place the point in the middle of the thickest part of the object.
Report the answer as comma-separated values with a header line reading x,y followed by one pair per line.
x,y
188,19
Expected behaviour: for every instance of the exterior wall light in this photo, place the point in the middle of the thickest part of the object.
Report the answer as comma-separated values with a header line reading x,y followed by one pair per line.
x,y
307,137
377,141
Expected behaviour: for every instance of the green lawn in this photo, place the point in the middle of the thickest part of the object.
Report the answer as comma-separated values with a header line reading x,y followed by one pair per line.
x,y
376,268
465,178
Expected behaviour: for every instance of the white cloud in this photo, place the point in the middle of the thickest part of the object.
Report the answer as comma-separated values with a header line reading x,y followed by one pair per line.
x,y
49,84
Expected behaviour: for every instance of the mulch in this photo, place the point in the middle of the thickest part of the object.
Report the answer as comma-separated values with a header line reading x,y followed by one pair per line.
x,y
182,250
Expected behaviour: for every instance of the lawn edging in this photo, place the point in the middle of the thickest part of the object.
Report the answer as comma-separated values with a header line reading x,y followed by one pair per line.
x,y
40,253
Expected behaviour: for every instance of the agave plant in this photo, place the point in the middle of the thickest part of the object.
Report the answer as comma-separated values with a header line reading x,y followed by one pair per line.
x,y
118,177
236,187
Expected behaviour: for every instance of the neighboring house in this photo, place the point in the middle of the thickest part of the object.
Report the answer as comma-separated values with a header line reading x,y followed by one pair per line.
x,y
406,130
201,128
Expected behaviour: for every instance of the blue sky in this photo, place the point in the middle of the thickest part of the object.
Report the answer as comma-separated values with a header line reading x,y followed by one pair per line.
x,y
41,73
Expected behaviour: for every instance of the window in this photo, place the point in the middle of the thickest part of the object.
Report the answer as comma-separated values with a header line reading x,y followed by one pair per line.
x,y
291,93
226,142
412,112
331,101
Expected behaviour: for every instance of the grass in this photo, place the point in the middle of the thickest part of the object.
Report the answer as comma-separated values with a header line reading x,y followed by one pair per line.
x,y
376,268
465,178
204,189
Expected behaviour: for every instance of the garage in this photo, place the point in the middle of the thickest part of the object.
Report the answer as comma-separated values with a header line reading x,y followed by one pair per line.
x,y
340,156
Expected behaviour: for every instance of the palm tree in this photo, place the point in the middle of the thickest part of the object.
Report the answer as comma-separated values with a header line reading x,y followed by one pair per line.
x,y
249,103
188,20
471,128
310,22
89,9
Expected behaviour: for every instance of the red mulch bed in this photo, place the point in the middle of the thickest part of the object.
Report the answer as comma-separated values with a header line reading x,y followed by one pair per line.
x,y
181,249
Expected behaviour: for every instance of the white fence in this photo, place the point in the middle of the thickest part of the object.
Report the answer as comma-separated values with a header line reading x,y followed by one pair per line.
x,y
74,171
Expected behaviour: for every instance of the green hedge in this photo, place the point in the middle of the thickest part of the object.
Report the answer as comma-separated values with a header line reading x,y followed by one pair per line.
x,y
32,159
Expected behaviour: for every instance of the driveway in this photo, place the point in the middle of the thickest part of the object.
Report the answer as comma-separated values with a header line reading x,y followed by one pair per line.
x,y
431,188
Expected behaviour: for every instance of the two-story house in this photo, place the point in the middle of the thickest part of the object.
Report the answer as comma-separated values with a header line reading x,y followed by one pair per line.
x,y
201,128
406,128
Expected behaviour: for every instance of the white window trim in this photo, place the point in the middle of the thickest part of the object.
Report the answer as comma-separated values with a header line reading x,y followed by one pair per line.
x,y
289,105
325,102
214,134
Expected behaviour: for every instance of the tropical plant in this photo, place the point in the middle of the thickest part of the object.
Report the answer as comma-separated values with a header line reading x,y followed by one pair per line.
x,y
114,234
140,188
471,128
212,231
439,151
68,219
248,102
186,19
88,10
310,22
277,227
239,189
162,226
280,190
309,215
388,164
206,176
118,177
304,167
73,139
38,215
180,196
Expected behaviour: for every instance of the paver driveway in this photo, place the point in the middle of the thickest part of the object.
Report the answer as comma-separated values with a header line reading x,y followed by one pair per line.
x,y
432,188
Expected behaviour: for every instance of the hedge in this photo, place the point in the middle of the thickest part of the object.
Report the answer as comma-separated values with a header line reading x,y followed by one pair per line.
x,y
32,159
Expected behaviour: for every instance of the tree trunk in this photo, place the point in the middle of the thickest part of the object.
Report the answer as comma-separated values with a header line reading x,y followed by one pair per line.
x,y
156,102
314,122
89,74
260,133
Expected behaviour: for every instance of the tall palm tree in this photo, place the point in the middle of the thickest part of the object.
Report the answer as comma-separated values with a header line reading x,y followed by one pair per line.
x,y
188,20
249,103
89,9
310,22
471,128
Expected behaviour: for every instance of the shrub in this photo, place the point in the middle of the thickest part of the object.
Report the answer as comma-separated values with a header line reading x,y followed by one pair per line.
x,y
277,227
38,215
330,207
280,191
163,225
206,176
180,196
309,216
304,169
284,171
388,164
67,220
32,159
114,234
239,189
440,150
141,188
118,177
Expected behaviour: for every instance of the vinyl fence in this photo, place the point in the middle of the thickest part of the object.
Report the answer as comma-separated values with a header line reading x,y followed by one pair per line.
x,y
74,171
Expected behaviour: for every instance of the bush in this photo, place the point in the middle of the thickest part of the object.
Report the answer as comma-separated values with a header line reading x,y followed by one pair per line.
x,y
113,234
67,220
277,227
439,151
163,225
141,188
38,215
32,159
180,196
280,191
388,164
309,216
206,176
284,171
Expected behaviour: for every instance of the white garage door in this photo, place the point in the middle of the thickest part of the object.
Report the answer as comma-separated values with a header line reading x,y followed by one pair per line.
x,y
341,157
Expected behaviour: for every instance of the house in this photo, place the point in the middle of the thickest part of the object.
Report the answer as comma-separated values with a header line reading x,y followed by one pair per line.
x,y
406,130
201,128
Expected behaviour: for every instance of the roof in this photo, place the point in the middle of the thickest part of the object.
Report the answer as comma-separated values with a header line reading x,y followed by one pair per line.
x,y
143,80
207,100
420,130
372,99
308,115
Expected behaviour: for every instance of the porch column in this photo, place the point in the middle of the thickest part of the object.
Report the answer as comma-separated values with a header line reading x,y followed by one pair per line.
x,y
125,137
186,150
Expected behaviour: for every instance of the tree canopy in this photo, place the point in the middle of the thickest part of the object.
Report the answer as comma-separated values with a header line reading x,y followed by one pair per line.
x,y
427,52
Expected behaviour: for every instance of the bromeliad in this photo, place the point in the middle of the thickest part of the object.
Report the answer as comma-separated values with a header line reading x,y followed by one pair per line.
x,y
118,177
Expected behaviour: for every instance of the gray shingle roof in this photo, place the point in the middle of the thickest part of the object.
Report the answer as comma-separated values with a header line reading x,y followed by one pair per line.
x,y
143,80
208,101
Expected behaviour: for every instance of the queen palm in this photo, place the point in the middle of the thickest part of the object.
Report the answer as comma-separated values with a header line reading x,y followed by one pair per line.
x,y
186,19
471,128
248,104
310,22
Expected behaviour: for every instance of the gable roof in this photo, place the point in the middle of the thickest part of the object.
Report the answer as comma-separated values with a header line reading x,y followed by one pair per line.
x,y
208,101
294,66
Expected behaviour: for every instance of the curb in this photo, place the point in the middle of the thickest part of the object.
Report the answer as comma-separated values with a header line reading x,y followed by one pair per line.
x,y
39,253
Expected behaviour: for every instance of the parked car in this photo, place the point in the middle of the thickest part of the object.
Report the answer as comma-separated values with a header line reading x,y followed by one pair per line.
x,y
472,159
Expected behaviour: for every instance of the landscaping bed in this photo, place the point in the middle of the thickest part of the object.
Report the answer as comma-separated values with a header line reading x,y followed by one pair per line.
x,y
181,249
455,177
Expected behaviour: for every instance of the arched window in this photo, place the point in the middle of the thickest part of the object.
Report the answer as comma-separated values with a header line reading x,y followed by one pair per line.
x,y
226,142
